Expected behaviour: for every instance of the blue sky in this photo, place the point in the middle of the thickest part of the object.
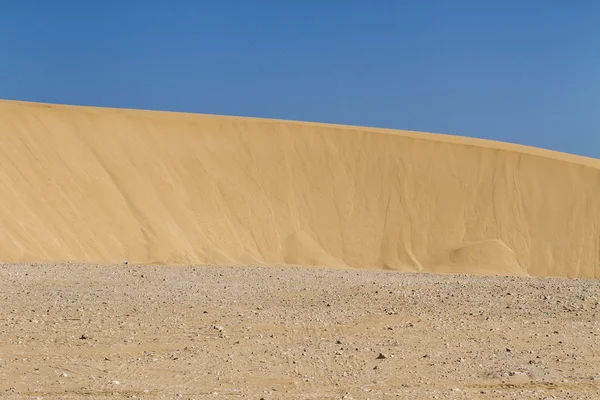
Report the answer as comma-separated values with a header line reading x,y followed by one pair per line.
x,y
519,71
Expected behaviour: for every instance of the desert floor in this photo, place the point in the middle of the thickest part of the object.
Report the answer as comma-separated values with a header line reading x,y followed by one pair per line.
x,y
85,331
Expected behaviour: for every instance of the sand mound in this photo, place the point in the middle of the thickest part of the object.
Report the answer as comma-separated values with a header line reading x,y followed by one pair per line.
x,y
103,185
489,257
301,249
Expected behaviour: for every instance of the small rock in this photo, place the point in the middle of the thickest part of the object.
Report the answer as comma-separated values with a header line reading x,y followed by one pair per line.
x,y
381,356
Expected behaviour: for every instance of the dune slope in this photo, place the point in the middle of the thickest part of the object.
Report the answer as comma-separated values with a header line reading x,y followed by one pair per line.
x,y
103,185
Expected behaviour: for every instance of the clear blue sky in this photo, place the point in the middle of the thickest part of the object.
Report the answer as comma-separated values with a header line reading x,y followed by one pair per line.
x,y
524,71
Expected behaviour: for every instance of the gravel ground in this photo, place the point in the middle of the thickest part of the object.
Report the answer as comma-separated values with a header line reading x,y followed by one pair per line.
x,y
88,331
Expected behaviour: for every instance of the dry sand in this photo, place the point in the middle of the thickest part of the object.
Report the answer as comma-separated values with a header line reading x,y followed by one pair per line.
x,y
93,185
152,332
102,185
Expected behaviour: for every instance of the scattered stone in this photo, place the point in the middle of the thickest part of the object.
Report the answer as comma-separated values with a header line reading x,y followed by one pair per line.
x,y
164,321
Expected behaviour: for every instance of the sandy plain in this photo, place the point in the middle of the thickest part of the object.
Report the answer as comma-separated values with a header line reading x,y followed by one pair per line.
x,y
70,331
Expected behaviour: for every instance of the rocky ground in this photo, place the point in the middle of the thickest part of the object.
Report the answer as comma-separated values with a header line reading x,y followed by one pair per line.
x,y
76,331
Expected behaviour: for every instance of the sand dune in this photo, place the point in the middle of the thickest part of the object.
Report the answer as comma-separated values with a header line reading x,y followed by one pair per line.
x,y
103,185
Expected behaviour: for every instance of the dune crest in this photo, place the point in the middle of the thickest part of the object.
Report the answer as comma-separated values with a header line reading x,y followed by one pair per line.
x,y
102,185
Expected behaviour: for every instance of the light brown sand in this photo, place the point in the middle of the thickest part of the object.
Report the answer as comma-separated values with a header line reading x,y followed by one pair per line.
x,y
74,331
104,185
